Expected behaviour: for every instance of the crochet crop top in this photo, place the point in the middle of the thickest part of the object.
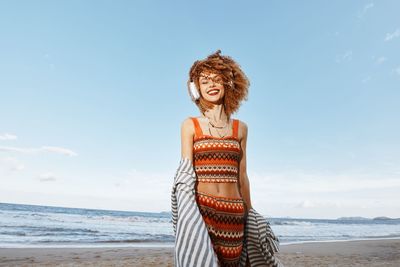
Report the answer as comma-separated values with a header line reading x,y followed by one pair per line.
x,y
216,159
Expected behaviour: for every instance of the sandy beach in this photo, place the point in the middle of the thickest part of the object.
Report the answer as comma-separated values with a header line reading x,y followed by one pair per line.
x,y
344,253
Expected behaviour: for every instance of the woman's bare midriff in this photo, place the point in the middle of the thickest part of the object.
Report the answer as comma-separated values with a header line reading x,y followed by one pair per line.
x,y
219,189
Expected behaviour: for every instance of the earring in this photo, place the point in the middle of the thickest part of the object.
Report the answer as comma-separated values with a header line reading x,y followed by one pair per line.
x,y
194,93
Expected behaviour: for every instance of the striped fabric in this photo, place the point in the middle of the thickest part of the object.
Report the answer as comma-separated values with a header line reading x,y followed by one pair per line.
x,y
193,245
259,237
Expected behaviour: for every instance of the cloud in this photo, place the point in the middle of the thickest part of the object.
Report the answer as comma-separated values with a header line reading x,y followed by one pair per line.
x,y
306,204
11,164
397,70
7,136
308,181
59,150
137,184
314,204
366,79
391,36
365,9
52,149
322,193
348,55
47,177
47,57
380,60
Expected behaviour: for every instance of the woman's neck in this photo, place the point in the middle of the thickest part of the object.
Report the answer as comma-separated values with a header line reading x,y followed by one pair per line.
x,y
217,114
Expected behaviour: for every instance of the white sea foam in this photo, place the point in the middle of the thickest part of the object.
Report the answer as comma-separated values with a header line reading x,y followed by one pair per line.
x,y
40,226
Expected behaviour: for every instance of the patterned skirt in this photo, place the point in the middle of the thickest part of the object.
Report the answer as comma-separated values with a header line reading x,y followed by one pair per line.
x,y
224,218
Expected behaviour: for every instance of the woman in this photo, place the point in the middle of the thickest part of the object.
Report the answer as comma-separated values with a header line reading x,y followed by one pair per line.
x,y
216,143
213,220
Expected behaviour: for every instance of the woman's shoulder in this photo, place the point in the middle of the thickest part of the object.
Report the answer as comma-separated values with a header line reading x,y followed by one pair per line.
x,y
242,129
189,119
241,123
187,124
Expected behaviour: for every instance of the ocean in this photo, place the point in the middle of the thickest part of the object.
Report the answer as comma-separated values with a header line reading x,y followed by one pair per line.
x,y
45,226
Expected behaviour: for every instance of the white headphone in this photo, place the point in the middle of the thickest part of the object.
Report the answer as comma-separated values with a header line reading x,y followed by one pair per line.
x,y
194,93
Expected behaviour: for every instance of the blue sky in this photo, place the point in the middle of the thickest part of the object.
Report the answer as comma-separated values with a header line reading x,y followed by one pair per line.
x,y
93,95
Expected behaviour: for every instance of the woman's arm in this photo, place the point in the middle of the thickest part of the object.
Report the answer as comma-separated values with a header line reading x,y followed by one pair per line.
x,y
243,179
187,133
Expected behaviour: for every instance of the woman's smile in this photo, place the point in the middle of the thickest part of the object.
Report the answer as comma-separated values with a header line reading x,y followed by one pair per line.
x,y
213,92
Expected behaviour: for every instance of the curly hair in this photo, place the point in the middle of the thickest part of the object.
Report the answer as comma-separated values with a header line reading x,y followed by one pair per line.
x,y
236,83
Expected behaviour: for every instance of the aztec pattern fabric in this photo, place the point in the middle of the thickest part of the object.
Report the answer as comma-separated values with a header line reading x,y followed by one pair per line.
x,y
193,247
224,218
216,159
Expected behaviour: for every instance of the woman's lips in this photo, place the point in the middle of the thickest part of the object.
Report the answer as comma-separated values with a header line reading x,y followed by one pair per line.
x,y
213,92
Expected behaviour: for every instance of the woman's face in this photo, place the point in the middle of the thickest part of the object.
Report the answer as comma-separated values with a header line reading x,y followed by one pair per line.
x,y
211,87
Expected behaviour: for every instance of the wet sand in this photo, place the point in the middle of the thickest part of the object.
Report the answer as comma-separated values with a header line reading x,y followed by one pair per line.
x,y
384,252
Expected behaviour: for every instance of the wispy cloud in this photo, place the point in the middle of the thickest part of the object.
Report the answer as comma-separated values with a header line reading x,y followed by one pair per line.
x,y
306,204
52,149
348,55
7,136
366,79
51,64
313,204
380,60
397,70
324,193
47,177
391,36
303,182
59,150
11,164
364,10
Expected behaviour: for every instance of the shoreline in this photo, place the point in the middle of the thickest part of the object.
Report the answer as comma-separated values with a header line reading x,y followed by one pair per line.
x,y
339,240
380,252
169,245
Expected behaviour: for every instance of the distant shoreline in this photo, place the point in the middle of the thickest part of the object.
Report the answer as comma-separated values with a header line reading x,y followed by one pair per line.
x,y
169,245
169,213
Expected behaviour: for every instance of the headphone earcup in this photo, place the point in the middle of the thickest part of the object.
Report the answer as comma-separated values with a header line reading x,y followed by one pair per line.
x,y
194,93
